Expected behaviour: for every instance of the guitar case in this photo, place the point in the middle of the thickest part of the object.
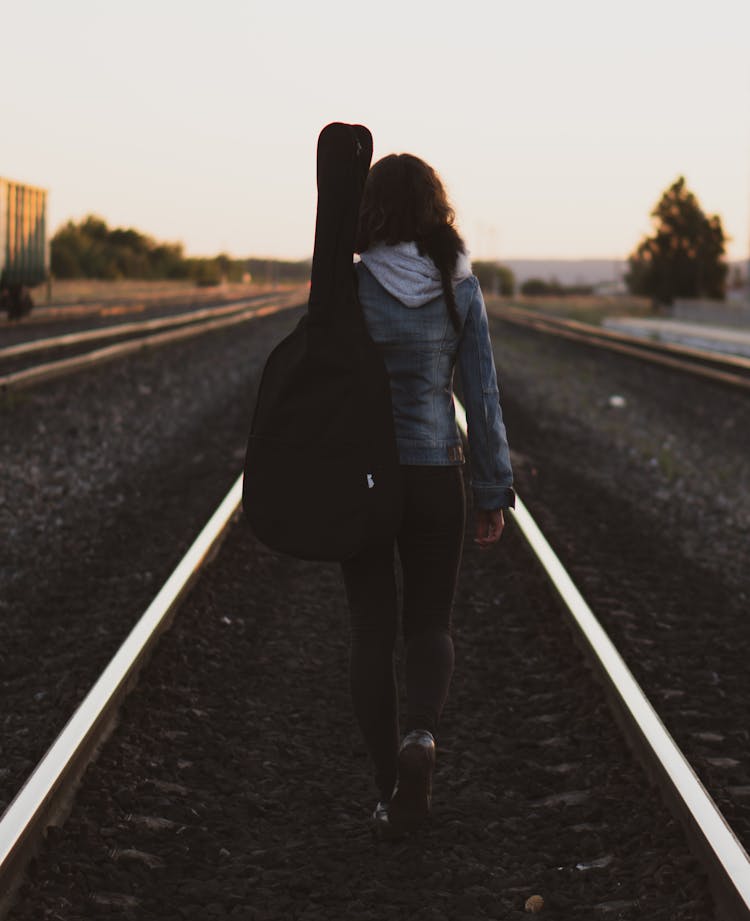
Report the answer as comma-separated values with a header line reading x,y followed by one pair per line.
x,y
322,476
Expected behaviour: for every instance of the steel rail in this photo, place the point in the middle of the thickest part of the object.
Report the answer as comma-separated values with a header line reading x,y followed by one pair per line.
x,y
533,317
124,304
706,828
687,359
45,796
49,370
720,358
125,329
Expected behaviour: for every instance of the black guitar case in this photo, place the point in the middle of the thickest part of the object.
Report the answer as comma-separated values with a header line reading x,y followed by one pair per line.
x,y
321,472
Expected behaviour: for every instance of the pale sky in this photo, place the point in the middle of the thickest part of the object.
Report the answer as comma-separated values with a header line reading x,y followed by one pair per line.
x,y
555,125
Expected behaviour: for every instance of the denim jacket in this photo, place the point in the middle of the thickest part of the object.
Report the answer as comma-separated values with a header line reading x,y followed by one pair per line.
x,y
421,349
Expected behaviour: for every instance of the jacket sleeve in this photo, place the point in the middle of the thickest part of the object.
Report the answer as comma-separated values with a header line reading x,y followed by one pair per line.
x,y
492,476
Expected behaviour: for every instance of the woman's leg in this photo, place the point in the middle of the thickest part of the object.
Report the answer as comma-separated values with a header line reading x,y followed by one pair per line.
x,y
371,591
430,545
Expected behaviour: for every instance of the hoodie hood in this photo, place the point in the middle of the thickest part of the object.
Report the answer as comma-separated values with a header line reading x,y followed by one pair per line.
x,y
410,277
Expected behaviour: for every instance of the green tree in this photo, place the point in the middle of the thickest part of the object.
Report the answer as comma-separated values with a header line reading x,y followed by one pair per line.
x,y
90,249
64,261
494,277
538,287
684,257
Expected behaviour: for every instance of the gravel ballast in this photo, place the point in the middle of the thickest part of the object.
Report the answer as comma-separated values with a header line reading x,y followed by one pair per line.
x,y
237,785
646,499
108,475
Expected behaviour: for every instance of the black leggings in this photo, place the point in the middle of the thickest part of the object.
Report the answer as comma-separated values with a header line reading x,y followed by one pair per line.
x,y
429,544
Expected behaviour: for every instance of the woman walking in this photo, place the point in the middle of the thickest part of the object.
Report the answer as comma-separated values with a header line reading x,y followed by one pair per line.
x,y
425,311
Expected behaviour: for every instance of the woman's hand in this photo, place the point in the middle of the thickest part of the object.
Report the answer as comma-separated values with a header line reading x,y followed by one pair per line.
x,y
489,527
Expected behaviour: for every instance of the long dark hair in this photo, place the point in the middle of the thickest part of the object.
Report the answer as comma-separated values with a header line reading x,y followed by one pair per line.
x,y
404,200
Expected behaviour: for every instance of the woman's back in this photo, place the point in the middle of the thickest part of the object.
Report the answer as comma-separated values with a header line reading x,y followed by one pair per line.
x,y
406,315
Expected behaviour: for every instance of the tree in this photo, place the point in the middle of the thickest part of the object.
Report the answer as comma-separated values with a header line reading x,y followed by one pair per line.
x,y
90,249
494,277
538,287
684,256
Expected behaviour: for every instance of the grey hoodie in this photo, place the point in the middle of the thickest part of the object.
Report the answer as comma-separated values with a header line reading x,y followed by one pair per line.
x,y
421,349
410,277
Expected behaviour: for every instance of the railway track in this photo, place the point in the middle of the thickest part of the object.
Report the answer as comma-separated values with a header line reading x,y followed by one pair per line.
x,y
48,791
106,309
72,350
733,371
90,461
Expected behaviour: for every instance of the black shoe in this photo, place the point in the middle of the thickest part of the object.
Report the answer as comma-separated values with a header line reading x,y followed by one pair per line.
x,y
380,822
412,796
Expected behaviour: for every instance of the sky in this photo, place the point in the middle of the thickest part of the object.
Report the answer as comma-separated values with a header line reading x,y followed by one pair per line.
x,y
555,126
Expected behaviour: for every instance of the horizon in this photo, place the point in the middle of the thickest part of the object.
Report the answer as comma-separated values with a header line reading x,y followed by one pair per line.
x,y
740,260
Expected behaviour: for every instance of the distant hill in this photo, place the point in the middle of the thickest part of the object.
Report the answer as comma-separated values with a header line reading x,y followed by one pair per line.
x,y
568,271
578,271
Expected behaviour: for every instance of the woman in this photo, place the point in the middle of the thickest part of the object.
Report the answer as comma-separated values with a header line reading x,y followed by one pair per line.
x,y
424,309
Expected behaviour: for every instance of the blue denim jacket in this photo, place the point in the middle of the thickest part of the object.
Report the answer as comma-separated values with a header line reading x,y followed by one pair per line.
x,y
421,350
